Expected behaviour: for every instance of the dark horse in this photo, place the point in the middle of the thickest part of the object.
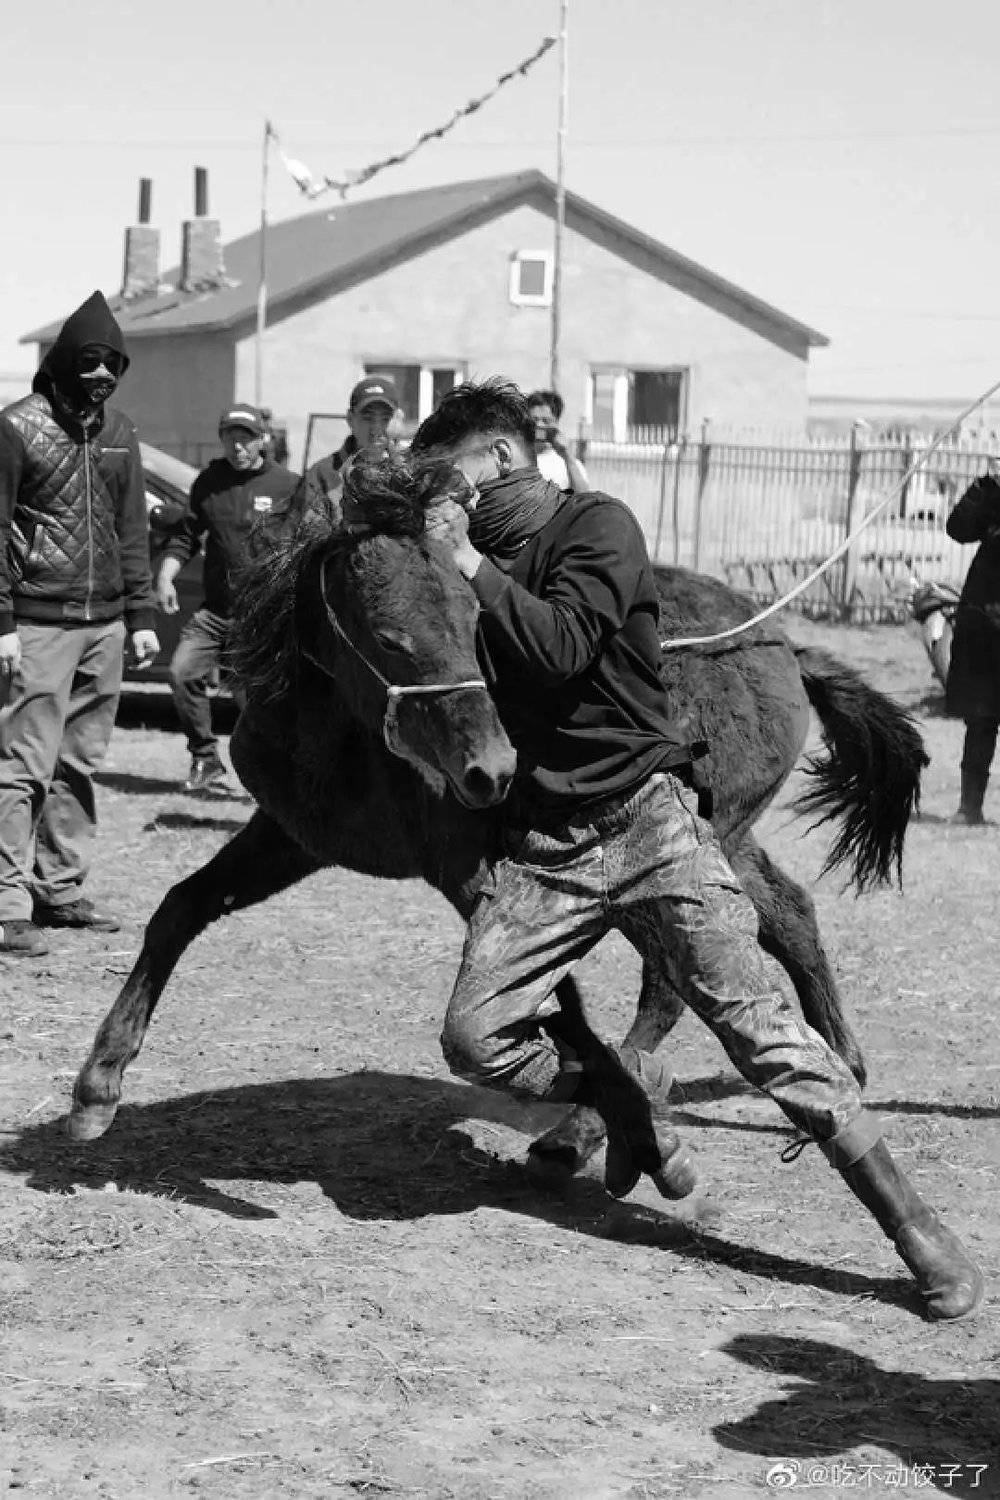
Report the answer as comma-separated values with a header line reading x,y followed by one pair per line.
x,y
368,742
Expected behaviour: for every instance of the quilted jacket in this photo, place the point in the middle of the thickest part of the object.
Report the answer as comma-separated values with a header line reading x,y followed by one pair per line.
x,y
73,532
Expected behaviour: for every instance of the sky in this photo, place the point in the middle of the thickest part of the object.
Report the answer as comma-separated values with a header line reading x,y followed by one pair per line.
x,y
835,157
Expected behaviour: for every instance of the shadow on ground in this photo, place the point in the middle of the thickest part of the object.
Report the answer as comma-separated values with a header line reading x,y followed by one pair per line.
x,y
695,1091
839,1400
380,1146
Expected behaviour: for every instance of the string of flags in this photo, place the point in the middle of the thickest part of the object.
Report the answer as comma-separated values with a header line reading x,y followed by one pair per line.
x,y
312,186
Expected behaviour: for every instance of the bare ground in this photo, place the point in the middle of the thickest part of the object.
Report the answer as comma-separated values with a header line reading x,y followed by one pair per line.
x,y
305,1262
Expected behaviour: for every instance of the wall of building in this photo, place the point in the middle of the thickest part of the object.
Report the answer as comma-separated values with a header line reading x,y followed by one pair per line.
x,y
175,389
452,305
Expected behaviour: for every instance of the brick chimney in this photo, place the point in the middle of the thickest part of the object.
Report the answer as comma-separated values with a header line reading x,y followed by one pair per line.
x,y
202,267
141,269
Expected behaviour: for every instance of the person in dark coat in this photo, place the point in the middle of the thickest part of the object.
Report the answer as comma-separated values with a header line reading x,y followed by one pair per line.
x,y
973,690
602,830
227,499
74,579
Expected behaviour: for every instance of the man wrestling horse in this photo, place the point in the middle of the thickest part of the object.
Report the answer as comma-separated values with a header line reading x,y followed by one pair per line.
x,y
603,831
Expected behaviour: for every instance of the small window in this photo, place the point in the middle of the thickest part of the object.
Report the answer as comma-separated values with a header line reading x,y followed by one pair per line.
x,y
531,278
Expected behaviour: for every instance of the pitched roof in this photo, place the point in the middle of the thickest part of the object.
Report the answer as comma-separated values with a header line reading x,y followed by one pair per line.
x,y
326,251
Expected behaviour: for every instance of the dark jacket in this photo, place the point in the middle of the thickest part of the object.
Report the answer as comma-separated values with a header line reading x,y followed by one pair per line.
x,y
224,507
73,537
974,673
570,642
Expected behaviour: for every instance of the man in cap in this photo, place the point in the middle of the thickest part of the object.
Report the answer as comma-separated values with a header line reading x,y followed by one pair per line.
x,y
227,499
74,578
373,416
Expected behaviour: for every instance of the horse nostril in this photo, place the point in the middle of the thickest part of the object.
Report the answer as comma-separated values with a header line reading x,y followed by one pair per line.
x,y
483,788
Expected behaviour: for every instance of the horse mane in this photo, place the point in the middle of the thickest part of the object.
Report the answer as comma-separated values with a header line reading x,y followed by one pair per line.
x,y
390,494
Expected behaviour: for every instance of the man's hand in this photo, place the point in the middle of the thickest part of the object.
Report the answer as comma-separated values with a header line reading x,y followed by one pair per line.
x,y
146,646
166,595
557,441
10,654
448,522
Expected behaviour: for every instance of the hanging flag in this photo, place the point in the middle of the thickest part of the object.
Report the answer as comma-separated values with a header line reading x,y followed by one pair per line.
x,y
312,186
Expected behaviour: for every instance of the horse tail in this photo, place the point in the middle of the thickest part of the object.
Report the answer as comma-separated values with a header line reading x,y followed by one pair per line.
x,y
869,776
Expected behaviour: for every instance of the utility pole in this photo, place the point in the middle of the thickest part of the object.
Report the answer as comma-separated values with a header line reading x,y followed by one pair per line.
x,y
560,194
258,373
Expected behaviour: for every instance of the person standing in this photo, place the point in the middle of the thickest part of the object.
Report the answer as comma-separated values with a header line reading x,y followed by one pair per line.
x,y
318,502
602,831
227,499
552,453
74,577
973,686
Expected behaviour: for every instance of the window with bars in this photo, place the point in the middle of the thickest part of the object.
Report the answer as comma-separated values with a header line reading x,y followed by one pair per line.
x,y
625,404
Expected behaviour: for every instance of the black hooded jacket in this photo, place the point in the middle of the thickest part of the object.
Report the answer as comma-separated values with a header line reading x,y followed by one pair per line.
x,y
74,545
974,673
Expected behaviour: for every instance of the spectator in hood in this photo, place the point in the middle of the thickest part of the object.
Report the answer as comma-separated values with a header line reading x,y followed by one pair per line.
x,y
74,578
227,498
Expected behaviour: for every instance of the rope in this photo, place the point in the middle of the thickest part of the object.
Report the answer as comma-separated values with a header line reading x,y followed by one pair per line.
x,y
674,643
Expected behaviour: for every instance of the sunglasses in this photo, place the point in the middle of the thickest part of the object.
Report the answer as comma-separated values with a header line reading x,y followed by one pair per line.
x,y
92,360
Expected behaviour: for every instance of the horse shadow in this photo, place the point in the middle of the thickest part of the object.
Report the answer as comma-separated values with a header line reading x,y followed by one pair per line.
x,y
840,1399
380,1146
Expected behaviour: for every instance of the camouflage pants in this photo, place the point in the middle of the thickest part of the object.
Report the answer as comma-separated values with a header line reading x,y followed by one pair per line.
x,y
649,866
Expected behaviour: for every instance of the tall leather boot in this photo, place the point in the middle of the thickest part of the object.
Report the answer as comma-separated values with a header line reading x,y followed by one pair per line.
x,y
970,806
950,1282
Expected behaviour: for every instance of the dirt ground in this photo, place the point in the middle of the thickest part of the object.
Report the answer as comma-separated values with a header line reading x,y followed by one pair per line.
x,y
305,1262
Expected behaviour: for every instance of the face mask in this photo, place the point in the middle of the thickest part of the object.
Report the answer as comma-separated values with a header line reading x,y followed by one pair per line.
x,y
98,372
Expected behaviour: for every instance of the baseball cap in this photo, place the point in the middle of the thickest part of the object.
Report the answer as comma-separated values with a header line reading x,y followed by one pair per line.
x,y
243,416
374,390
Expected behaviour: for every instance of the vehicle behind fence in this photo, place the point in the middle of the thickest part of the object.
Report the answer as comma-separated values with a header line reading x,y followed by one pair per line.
x,y
763,514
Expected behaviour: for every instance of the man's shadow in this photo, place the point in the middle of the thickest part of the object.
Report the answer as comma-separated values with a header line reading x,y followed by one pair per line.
x,y
695,1091
838,1400
381,1146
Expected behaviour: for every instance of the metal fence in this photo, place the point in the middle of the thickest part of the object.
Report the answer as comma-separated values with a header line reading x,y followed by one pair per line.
x,y
763,514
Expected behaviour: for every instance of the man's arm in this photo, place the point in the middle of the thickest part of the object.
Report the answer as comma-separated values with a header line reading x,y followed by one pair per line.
x,y
587,595
578,480
11,463
133,544
977,513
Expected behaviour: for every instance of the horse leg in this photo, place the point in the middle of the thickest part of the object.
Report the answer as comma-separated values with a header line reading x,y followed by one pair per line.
x,y
572,1141
257,863
788,932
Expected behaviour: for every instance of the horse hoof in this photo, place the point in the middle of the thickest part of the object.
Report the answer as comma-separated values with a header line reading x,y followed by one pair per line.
x,y
89,1121
551,1170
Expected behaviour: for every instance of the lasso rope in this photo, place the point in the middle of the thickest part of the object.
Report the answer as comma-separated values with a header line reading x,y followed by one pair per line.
x,y
675,643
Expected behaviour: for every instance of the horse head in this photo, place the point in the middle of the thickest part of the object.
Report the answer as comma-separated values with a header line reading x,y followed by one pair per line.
x,y
381,610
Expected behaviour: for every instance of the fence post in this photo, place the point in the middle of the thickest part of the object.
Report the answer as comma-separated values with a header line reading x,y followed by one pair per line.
x,y
850,574
680,448
907,464
663,500
704,460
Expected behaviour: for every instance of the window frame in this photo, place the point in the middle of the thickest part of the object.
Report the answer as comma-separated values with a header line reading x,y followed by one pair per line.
x,y
531,299
425,369
621,375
